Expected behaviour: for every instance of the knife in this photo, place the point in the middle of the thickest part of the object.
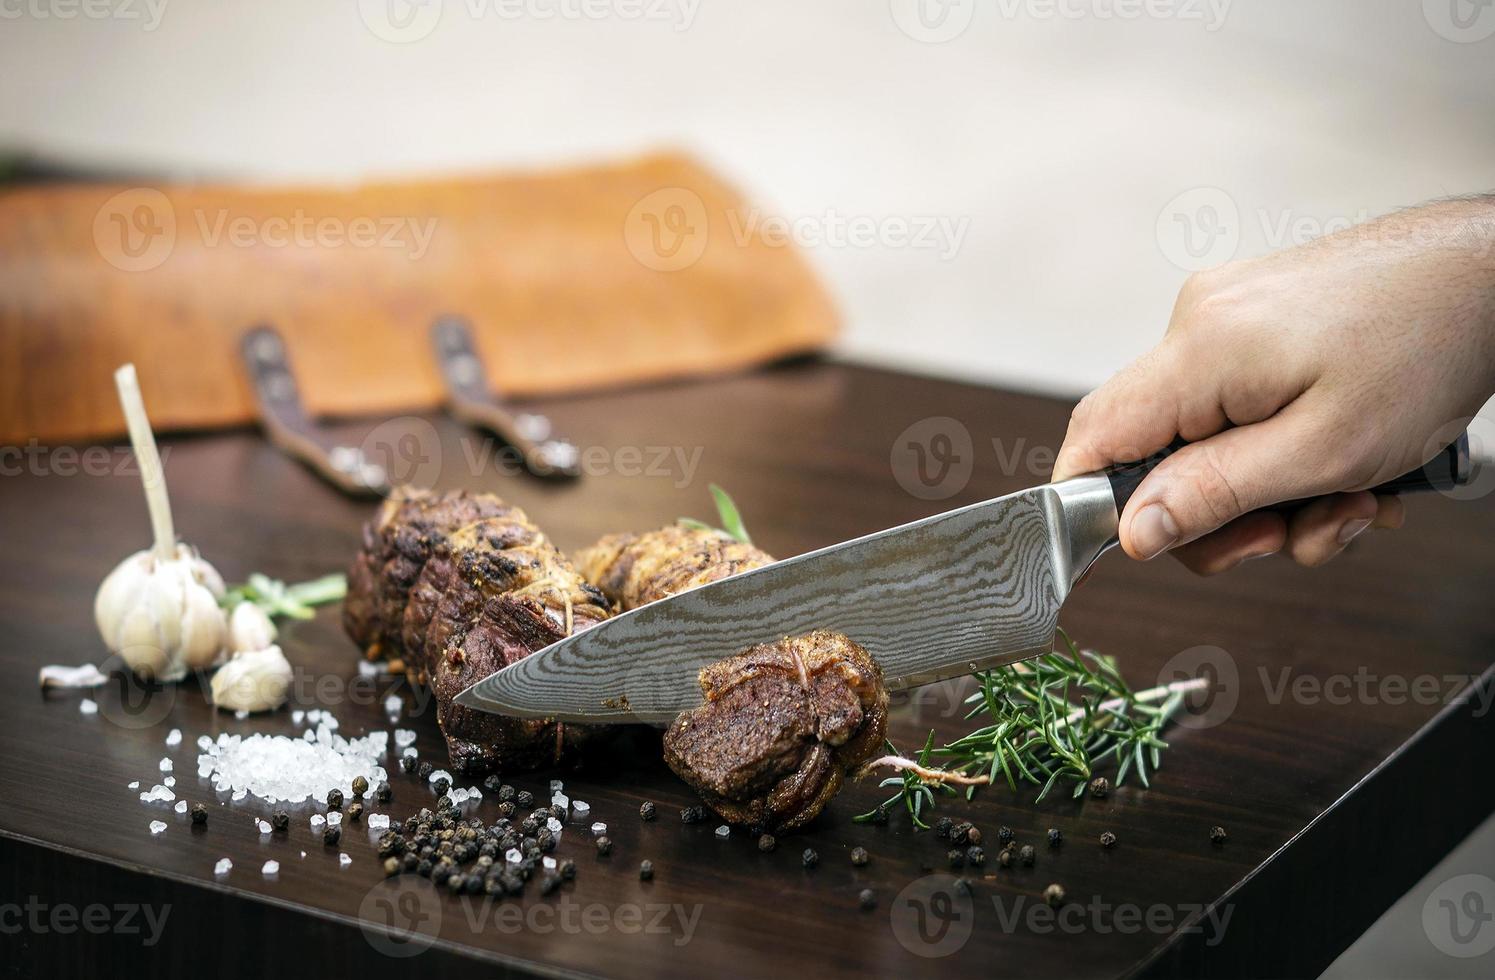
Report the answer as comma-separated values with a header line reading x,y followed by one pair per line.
x,y
945,596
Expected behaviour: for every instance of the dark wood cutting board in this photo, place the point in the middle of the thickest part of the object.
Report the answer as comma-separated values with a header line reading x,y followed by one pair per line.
x,y
1334,805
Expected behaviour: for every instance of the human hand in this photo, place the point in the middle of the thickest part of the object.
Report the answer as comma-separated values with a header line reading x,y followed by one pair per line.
x,y
1318,371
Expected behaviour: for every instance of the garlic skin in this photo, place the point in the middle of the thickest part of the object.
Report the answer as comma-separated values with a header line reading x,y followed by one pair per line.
x,y
162,615
249,628
253,680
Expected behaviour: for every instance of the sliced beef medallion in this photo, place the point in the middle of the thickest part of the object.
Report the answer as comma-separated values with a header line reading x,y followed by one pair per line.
x,y
782,725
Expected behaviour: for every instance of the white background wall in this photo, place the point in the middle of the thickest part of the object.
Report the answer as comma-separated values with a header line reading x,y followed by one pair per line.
x,y
1053,133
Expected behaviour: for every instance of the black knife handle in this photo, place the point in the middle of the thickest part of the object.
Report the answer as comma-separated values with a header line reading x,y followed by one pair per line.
x,y
1449,469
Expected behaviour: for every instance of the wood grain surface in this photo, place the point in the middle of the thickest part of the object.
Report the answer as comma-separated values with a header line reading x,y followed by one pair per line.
x,y
572,280
1337,792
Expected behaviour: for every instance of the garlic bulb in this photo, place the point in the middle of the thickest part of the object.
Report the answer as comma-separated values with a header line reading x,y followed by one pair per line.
x,y
162,616
254,680
249,628
159,609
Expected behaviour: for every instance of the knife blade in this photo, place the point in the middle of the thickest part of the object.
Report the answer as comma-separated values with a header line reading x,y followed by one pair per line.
x,y
937,598
942,597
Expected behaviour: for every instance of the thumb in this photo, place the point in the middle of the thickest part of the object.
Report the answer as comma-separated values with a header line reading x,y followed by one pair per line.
x,y
1210,483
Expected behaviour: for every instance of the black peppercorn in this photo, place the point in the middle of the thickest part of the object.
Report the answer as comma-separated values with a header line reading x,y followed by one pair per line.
x,y
1055,837
441,785
975,856
280,820
1108,839
963,886
200,814
1054,895
1217,835
424,770
1027,855
391,867
360,785
524,799
409,863
424,869
506,793
959,832
506,809
859,856
456,883
880,815
492,886
382,792
444,803
767,843
332,835
942,827
513,883
335,800
547,841
973,836
473,884
355,811
956,857
492,784
693,814
810,858
646,810
867,899
567,869
408,763
1004,835
646,871
441,872
1100,787
604,846
1004,856
549,883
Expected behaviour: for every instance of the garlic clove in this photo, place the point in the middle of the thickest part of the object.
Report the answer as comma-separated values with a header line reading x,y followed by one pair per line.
x,y
253,680
120,591
249,628
203,631
138,642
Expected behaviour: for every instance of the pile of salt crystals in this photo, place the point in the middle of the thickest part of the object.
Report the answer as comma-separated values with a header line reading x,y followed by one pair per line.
x,y
292,770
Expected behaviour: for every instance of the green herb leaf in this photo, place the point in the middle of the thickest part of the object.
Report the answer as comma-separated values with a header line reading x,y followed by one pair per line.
x,y
731,518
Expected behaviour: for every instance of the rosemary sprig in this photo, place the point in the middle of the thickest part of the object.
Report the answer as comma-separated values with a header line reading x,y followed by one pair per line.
x,y
277,598
1060,717
727,513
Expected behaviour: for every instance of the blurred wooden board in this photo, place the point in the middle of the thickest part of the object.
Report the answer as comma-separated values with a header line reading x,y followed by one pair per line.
x,y
1334,806
572,279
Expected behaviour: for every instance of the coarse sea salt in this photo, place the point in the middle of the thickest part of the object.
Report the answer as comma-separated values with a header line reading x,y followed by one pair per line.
x,y
723,831
599,828
334,819
317,820
549,862
88,706
278,769
581,808
404,737
134,784
378,821
343,860
157,826
169,781
263,825
554,825
174,738
440,774
223,867
166,765
393,704
561,800
298,716
513,856
270,869
181,806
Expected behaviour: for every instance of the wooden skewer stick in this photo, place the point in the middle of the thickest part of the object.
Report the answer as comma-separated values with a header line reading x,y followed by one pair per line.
x,y
152,474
